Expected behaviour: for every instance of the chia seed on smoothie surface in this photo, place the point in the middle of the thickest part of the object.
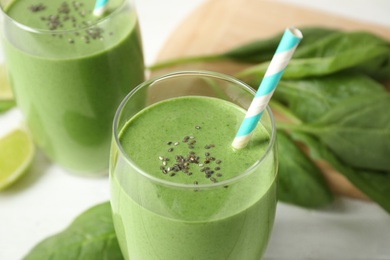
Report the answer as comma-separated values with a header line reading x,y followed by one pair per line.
x,y
72,16
191,163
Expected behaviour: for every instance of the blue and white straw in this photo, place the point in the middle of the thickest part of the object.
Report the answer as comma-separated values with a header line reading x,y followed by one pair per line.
x,y
100,7
282,56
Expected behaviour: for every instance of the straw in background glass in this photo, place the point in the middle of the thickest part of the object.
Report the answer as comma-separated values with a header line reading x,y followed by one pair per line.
x,y
100,7
282,56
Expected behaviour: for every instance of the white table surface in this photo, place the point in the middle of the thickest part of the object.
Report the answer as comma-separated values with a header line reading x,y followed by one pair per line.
x,y
48,198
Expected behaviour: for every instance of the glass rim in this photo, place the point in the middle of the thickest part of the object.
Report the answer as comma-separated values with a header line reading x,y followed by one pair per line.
x,y
191,73
61,31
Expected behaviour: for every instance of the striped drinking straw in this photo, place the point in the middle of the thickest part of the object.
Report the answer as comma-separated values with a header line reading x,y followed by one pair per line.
x,y
100,7
282,56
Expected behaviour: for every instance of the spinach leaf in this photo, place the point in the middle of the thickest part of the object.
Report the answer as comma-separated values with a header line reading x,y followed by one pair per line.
x,y
263,50
375,184
336,52
90,236
311,98
340,43
378,68
357,131
300,181
253,52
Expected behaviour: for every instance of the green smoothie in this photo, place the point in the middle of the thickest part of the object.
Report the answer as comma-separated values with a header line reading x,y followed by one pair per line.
x,y
187,194
70,73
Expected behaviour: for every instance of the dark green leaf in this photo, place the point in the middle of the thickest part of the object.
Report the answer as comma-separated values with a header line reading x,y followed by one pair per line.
x,y
263,50
339,43
336,52
311,98
252,52
375,184
300,181
378,68
90,236
357,131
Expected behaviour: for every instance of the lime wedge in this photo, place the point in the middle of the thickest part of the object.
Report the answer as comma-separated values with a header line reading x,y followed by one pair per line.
x,y
16,154
6,97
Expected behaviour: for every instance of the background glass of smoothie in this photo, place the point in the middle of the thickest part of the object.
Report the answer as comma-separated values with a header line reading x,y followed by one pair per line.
x,y
69,71
178,189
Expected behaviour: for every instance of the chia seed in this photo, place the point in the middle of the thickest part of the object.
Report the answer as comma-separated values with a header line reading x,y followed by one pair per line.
x,y
184,163
64,8
37,8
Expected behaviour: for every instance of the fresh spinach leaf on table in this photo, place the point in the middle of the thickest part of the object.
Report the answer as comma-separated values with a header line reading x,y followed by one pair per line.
x,y
357,131
263,50
336,52
378,68
253,52
90,236
375,184
300,181
310,98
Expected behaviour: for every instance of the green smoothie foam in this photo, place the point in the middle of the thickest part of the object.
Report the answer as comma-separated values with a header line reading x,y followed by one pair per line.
x,y
190,207
70,77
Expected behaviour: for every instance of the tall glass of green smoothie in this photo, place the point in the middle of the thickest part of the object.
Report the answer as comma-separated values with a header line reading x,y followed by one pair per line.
x,y
69,70
178,188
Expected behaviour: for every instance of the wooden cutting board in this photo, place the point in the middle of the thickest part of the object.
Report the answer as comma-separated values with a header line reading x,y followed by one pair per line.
x,y
218,25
